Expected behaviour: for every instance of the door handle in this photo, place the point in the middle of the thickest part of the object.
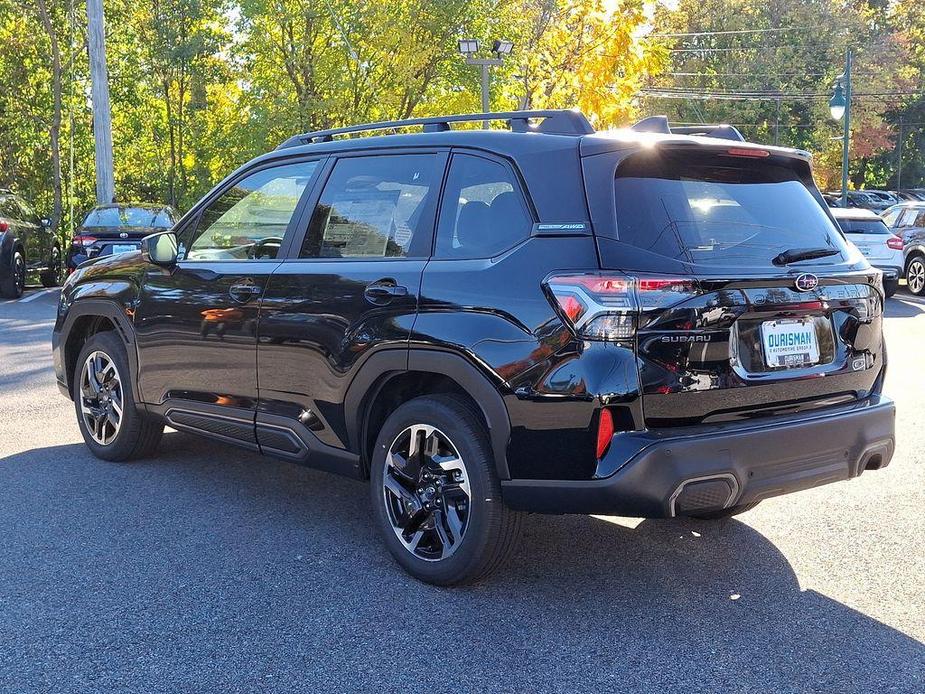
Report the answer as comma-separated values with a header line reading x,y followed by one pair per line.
x,y
383,291
244,291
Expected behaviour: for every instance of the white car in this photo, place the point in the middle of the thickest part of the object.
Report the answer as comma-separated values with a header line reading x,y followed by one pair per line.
x,y
882,248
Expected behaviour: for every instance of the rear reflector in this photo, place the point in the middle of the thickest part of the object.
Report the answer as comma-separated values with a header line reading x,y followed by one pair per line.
x,y
895,242
604,432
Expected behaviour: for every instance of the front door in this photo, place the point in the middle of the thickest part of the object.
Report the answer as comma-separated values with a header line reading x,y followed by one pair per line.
x,y
196,324
350,289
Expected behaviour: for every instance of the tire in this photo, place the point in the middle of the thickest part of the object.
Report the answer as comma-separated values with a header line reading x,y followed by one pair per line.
x,y
14,285
441,551
726,512
890,287
136,434
915,275
52,276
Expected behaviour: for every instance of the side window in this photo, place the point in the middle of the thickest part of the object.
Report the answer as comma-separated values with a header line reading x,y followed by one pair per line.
x,y
249,221
908,217
890,217
376,207
919,219
26,214
483,210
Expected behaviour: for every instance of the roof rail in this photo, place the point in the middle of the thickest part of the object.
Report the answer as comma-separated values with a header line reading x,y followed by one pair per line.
x,y
659,124
552,122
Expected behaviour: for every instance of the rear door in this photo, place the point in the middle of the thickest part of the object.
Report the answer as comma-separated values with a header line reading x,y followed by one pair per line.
x,y
349,289
732,322
36,237
196,324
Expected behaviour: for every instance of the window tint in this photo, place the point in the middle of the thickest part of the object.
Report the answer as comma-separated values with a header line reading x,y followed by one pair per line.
x,y
714,210
864,226
891,215
483,210
249,221
908,217
375,207
9,208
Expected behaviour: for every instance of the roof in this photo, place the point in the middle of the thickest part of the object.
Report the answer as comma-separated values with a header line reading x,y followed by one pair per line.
x,y
142,205
853,213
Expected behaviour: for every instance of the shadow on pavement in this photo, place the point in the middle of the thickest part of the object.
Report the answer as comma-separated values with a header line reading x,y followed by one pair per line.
x,y
208,567
904,306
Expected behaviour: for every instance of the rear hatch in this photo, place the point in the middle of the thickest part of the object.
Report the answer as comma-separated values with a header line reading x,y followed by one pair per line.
x,y
97,241
875,241
745,301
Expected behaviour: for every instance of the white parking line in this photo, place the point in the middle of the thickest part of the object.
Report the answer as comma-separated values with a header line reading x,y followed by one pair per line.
x,y
36,295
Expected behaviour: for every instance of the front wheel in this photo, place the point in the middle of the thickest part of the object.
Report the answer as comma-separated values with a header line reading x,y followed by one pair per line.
x,y
112,426
52,276
915,275
436,495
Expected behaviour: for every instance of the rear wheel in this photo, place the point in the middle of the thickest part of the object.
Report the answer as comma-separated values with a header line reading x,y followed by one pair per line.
x,y
915,275
15,284
111,425
725,512
436,496
52,276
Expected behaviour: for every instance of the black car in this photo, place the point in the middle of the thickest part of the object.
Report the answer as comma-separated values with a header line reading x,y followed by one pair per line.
x,y
117,228
486,322
29,248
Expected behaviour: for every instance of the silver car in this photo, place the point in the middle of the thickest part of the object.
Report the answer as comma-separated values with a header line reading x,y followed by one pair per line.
x,y
907,220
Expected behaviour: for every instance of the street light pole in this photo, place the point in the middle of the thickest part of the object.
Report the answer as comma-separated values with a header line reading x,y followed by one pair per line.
x,y
486,65
846,137
500,48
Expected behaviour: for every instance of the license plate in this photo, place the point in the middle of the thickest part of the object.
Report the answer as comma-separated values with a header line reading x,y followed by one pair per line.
x,y
123,248
790,343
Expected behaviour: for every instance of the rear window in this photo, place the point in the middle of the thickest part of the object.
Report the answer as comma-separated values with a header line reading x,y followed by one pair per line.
x,y
121,217
709,209
864,226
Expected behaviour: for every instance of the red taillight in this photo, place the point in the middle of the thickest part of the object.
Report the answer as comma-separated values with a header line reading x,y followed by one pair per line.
x,y
748,152
83,241
602,306
4,226
604,432
895,242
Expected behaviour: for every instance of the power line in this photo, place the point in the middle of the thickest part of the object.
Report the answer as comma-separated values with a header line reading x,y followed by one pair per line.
x,y
728,32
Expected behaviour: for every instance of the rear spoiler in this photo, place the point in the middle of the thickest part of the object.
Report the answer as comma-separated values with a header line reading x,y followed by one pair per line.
x,y
659,124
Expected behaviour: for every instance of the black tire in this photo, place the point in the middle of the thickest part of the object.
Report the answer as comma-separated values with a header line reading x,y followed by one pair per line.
x,y
138,434
890,287
15,283
726,512
915,275
52,276
491,529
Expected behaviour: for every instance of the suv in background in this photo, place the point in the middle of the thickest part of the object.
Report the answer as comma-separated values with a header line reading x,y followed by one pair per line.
x,y
28,246
117,228
907,220
643,322
882,248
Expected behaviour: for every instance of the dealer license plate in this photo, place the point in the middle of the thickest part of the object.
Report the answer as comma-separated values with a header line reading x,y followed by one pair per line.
x,y
123,248
790,343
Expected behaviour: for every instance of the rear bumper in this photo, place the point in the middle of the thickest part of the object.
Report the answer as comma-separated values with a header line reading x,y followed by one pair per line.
x,y
682,471
890,272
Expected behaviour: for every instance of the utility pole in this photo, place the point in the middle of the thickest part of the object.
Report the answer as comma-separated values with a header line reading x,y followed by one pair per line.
x,y
846,137
102,117
899,164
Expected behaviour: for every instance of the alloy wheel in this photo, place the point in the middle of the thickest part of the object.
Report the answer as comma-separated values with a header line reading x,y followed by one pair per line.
x,y
426,489
101,397
19,273
915,276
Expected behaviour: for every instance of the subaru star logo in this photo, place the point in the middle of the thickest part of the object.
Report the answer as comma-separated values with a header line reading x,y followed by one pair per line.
x,y
123,235
806,282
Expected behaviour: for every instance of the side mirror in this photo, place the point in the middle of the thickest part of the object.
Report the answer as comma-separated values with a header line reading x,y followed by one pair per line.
x,y
160,249
46,222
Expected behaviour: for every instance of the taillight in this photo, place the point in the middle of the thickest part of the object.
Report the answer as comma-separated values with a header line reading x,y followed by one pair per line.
x,y
4,226
604,432
83,241
748,152
895,242
600,306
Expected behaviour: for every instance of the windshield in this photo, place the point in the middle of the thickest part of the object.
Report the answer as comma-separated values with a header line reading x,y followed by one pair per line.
x,y
127,217
709,209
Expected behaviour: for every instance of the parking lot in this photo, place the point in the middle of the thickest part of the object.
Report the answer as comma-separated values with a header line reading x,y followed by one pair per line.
x,y
208,568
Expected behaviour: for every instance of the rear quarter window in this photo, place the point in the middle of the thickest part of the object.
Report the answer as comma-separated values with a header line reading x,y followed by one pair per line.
x,y
711,209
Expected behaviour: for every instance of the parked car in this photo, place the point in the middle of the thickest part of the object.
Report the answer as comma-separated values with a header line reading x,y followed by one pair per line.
x,y
482,323
882,248
28,247
909,195
886,198
117,228
907,220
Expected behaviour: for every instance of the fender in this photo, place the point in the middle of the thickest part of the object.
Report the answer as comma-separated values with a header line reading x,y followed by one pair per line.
x,y
380,367
107,308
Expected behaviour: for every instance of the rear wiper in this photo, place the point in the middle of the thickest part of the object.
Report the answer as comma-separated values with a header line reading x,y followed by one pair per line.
x,y
794,255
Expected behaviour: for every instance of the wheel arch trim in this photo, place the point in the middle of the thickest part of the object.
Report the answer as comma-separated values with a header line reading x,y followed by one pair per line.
x,y
381,367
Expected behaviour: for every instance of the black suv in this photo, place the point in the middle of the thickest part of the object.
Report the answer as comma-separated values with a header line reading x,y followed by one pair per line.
x,y
28,245
643,322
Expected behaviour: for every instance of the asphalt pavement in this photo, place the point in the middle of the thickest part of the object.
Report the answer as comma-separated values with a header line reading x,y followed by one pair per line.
x,y
212,569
